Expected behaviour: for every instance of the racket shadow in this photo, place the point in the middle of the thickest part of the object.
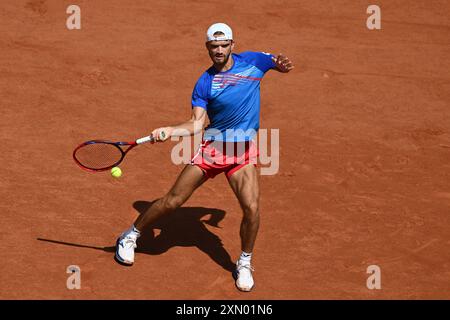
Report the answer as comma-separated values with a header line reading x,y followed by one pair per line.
x,y
185,227
105,249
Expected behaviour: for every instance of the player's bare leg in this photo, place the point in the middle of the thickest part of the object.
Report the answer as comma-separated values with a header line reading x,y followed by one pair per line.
x,y
189,179
245,185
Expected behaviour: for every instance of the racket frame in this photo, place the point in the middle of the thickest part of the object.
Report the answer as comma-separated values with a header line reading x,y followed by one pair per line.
x,y
118,145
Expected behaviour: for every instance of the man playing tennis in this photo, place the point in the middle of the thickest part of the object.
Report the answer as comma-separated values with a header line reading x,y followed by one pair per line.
x,y
229,94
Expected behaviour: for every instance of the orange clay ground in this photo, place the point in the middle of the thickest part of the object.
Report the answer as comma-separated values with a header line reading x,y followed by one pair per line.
x,y
364,173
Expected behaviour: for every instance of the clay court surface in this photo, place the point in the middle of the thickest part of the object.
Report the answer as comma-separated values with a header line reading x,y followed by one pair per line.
x,y
364,173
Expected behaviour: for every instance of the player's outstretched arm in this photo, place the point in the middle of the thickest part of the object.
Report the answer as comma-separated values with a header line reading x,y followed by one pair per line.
x,y
190,127
283,63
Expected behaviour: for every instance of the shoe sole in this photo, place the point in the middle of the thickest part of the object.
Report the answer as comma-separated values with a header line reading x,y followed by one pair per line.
x,y
119,259
244,289
123,263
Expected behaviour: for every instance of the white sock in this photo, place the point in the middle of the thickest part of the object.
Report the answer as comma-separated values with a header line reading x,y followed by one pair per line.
x,y
245,258
133,232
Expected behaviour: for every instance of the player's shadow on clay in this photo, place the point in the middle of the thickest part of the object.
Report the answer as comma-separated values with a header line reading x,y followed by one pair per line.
x,y
185,227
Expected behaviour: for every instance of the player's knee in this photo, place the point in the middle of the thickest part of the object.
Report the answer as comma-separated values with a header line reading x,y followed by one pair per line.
x,y
172,201
251,210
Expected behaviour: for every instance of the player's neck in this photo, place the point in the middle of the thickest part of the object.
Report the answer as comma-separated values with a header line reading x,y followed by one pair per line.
x,y
225,66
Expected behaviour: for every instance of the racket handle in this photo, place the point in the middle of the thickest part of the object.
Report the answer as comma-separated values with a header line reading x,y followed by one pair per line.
x,y
145,139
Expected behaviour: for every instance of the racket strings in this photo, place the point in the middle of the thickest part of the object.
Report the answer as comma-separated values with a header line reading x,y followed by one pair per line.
x,y
98,156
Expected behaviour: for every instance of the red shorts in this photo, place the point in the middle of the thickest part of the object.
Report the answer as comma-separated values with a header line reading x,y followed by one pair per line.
x,y
215,157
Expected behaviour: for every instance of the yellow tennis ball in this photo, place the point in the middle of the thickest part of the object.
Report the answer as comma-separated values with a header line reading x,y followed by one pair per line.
x,y
116,172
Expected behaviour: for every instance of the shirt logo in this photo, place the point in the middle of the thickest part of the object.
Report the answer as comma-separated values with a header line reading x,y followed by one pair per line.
x,y
221,81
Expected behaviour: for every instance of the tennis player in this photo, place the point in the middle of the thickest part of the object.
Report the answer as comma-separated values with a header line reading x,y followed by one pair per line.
x,y
228,93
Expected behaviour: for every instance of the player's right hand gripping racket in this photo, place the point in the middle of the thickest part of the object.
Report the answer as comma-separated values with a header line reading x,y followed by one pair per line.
x,y
102,155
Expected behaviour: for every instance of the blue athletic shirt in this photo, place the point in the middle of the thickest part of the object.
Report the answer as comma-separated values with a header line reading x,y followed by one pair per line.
x,y
232,98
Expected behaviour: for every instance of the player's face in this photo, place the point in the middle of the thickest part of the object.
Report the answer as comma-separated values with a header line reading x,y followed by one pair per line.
x,y
220,51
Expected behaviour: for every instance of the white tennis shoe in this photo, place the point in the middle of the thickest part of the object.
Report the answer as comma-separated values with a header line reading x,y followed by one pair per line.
x,y
125,246
243,276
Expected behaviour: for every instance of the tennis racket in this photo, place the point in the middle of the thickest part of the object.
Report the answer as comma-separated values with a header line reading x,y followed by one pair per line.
x,y
102,155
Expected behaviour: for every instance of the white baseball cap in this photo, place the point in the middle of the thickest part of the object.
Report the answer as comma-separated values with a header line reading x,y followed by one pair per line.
x,y
219,27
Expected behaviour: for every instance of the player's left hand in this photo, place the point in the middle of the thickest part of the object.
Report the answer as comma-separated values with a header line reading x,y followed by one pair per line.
x,y
283,63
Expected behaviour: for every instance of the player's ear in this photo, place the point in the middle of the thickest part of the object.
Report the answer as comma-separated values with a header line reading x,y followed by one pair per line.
x,y
232,45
